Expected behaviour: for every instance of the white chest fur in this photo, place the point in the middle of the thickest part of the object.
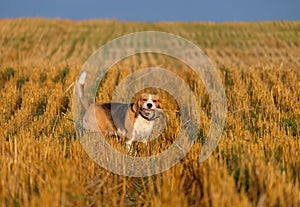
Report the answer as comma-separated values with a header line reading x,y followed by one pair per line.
x,y
142,129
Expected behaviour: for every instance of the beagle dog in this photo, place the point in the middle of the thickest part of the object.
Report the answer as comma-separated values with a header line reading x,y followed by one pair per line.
x,y
134,121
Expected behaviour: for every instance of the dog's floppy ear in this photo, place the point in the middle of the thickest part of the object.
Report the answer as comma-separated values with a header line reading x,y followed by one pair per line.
x,y
159,104
136,105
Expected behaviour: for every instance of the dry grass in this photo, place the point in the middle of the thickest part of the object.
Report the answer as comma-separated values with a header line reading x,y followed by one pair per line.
x,y
256,163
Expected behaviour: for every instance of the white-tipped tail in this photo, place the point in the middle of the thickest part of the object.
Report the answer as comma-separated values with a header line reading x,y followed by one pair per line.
x,y
81,78
80,90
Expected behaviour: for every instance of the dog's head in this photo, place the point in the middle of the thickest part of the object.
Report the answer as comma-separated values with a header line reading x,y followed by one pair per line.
x,y
147,104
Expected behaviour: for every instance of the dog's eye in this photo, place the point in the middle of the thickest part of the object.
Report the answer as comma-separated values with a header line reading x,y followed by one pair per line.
x,y
154,101
144,99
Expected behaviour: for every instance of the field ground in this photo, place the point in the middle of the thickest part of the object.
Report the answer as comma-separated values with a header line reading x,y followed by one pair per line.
x,y
257,161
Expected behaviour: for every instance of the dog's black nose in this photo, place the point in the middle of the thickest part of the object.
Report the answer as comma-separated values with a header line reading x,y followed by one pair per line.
x,y
149,105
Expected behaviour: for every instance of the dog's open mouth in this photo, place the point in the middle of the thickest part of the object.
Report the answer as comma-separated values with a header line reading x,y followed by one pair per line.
x,y
148,111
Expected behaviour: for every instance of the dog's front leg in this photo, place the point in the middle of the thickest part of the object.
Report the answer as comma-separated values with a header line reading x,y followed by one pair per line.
x,y
128,145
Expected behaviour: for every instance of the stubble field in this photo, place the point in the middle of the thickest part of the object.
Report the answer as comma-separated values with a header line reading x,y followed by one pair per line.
x,y
257,161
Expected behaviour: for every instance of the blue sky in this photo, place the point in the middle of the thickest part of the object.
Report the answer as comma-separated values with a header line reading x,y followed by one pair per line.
x,y
155,10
